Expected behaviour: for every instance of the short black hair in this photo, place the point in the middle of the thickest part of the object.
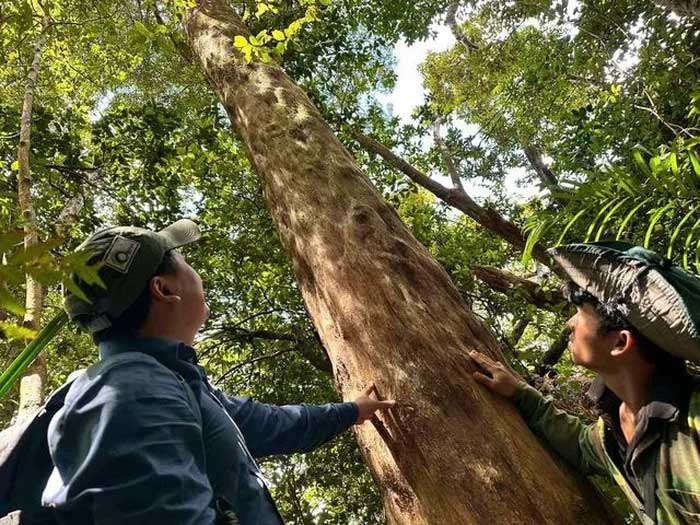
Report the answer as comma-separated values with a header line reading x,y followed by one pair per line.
x,y
612,320
132,319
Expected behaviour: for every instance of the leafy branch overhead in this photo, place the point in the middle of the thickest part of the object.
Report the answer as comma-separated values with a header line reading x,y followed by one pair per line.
x,y
654,201
271,44
40,262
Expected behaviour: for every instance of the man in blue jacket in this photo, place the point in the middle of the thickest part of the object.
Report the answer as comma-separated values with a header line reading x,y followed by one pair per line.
x,y
143,437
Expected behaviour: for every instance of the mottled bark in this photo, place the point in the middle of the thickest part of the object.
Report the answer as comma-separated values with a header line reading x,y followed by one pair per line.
x,y
387,312
31,391
460,199
682,7
513,285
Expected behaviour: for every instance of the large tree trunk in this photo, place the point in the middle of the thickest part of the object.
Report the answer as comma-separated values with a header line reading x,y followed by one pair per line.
x,y
31,390
388,313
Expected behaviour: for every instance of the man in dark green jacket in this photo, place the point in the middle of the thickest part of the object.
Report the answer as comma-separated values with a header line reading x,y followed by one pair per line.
x,y
636,324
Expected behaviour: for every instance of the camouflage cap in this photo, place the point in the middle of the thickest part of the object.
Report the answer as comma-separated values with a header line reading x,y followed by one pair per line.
x,y
655,295
130,256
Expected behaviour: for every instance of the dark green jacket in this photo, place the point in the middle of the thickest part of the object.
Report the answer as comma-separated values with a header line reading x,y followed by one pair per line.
x,y
660,475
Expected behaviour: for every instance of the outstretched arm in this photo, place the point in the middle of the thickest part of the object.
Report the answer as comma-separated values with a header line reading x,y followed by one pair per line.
x,y
568,435
271,430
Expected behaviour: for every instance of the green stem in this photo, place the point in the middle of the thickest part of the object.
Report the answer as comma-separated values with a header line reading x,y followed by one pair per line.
x,y
30,353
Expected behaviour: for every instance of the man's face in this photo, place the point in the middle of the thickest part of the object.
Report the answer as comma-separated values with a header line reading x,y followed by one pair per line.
x,y
589,347
188,285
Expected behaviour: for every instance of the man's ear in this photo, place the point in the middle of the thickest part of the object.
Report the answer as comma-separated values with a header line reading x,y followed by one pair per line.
x,y
624,343
161,290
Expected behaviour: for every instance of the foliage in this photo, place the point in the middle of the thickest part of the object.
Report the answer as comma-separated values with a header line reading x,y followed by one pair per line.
x,y
654,205
271,44
125,124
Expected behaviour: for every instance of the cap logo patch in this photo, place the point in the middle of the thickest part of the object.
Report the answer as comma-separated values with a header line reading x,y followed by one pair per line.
x,y
121,254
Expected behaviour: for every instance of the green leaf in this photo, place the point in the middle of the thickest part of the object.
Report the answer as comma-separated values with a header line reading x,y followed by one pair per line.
x,y
532,239
15,331
608,217
142,29
591,227
9,303
29,354
688,241
694,161
15,165
629,217
677,231
261,10
571,223
240,41
639,159
278,35
654,219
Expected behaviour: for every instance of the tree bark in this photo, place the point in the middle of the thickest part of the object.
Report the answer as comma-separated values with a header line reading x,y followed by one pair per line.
x,y
31,390
553,354
451,22
387,312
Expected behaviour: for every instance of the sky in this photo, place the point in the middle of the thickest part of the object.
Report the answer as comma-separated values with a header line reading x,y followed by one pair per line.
x,y
409,93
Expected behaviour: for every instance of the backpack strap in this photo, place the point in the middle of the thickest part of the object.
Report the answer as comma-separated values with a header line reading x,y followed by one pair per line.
x,y
24,454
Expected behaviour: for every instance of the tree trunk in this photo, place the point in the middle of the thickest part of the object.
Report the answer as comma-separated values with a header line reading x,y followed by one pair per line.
x,y
31,388
452,453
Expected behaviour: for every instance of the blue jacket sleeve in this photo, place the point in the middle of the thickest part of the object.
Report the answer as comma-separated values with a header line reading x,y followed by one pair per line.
x,y
270,430
128,449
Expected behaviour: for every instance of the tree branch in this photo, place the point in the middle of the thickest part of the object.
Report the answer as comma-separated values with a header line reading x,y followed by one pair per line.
x,y
451,21
446,158
511,284
488,218
252,361
553,354
534,156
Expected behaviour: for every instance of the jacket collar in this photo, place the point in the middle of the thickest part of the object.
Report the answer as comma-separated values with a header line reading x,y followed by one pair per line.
x,y
165,350
669,395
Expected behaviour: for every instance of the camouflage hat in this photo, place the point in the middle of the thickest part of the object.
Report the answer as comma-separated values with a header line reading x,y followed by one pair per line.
x,y
655,295
130,257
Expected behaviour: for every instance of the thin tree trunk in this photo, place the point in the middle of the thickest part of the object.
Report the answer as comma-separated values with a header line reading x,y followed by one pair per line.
x,y
31,390
517,332
452,454
447,158
553,354
451,22
532,152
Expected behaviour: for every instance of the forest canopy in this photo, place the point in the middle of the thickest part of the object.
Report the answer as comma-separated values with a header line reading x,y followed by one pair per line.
x,y
538,123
